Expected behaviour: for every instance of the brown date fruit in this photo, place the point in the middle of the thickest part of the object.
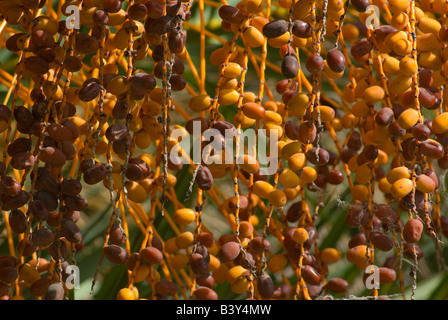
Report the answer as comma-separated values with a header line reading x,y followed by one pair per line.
x,y
229,251
360,5
162,25
301,29
337,285
89,91
413,230
290,66
116,234
55,291
177,40
314,64
381,241
318,156
42,237
336,60
166,288
152,255
204,178
116,131
198,264
361,48
265,286
71,231
72,64
39,210
230,14
71,186
112,6
275,28
76,203
115,254
17,221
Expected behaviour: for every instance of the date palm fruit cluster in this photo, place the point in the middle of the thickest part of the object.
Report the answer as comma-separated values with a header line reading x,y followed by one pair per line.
x,y
94,89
